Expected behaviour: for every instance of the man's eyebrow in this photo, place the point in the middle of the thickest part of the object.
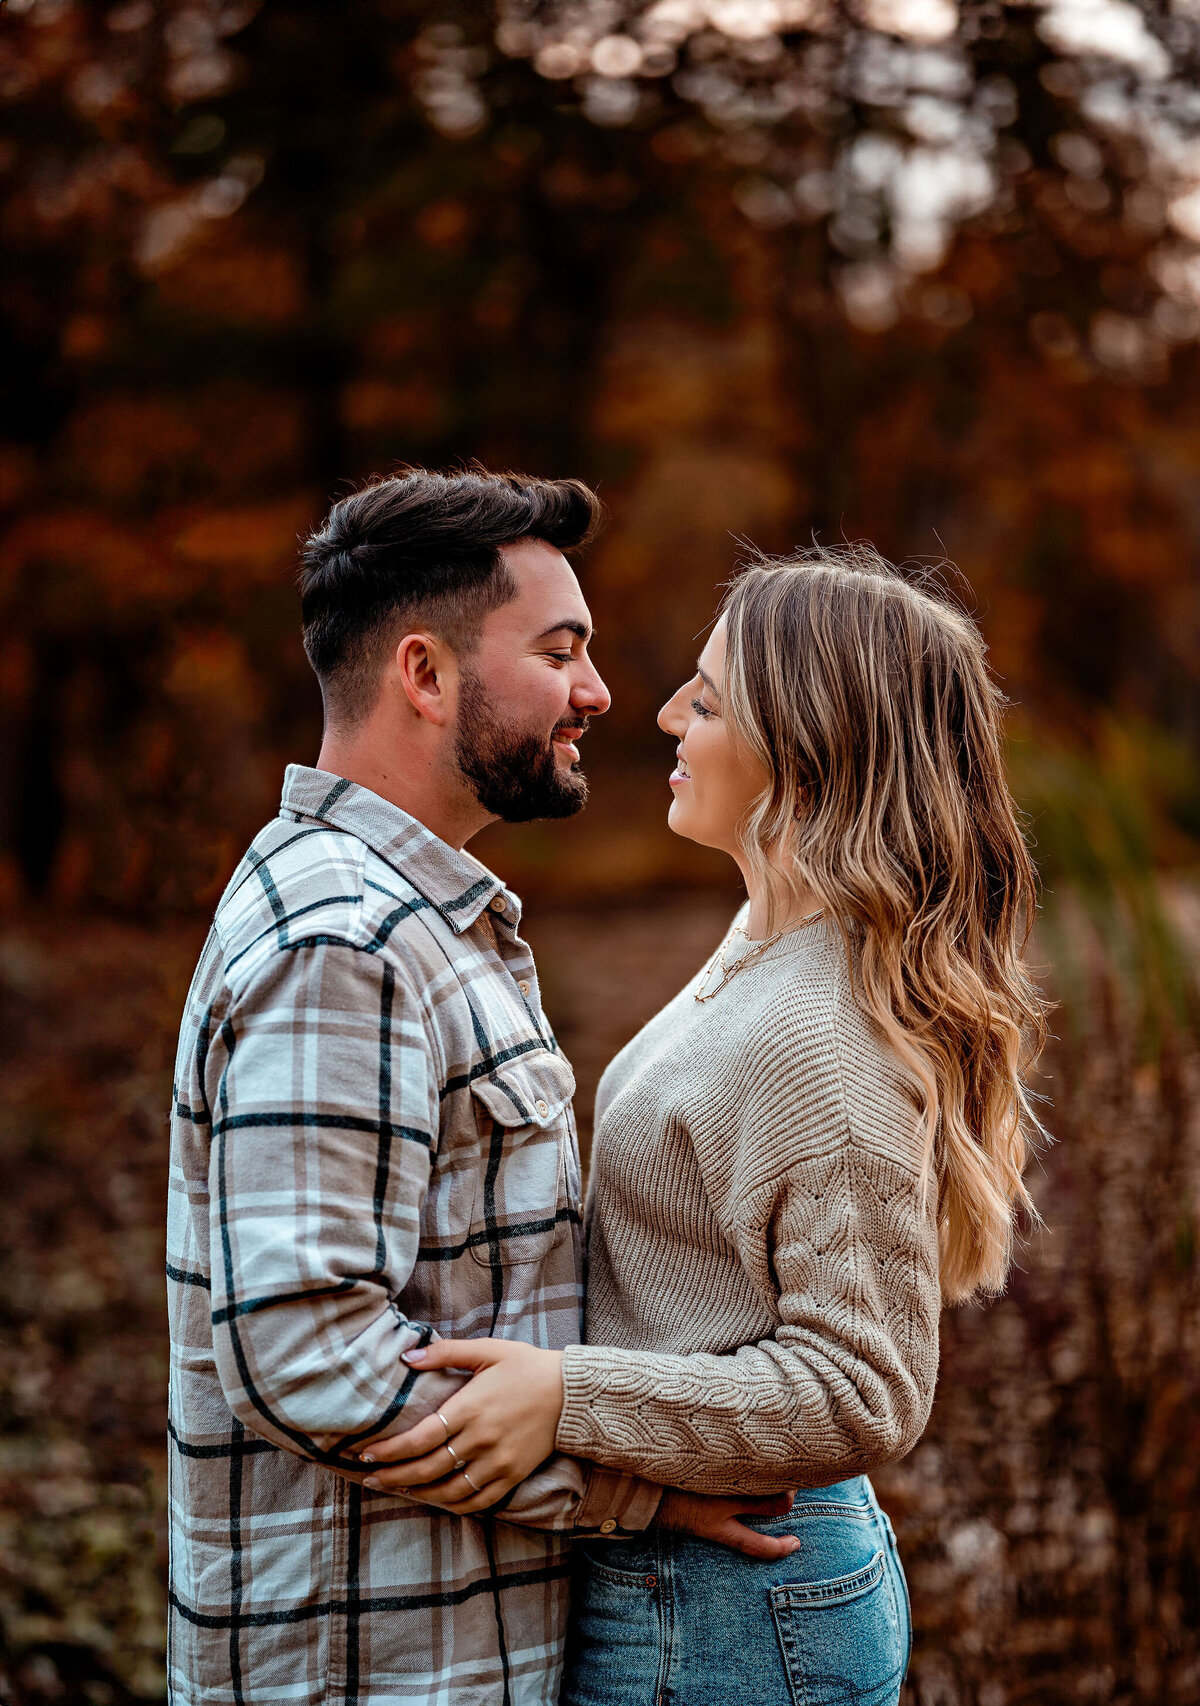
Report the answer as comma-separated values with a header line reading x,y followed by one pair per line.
x,y
708,681
570,626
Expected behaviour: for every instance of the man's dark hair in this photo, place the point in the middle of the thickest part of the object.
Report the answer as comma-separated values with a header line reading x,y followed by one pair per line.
x,y
421,548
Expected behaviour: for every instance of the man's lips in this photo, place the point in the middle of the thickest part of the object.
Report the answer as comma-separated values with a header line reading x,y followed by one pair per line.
x,y
566,736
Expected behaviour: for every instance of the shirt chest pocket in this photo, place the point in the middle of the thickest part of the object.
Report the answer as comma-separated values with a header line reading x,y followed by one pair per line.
x,y
528,1181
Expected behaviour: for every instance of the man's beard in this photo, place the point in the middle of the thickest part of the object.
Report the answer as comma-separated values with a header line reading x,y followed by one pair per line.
x,y
514,775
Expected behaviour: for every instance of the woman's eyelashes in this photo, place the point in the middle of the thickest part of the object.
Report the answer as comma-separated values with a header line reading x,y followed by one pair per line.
x,y
701,709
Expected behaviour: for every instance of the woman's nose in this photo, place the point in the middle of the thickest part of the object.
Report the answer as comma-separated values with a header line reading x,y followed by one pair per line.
x,y
670,718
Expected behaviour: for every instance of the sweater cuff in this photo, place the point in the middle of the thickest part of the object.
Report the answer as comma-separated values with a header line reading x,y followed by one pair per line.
x,y
615,1505
599,1399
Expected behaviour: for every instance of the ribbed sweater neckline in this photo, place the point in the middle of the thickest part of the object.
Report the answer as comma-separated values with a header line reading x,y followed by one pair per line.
x,y
786,944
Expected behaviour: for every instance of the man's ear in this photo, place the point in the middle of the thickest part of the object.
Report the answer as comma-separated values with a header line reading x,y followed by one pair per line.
x,y
428,673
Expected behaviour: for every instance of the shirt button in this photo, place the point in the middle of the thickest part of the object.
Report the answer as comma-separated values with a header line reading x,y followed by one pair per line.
x,y
607,1527
498,903
523,986
543,1108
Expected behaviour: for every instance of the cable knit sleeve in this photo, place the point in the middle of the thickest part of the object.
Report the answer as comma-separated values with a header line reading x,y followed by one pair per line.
x,y
811,1160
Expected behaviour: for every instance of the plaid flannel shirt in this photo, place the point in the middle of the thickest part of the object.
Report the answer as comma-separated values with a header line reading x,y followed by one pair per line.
x,y
372,1143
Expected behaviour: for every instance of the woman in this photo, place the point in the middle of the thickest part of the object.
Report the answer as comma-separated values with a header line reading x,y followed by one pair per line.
x,y
819,1139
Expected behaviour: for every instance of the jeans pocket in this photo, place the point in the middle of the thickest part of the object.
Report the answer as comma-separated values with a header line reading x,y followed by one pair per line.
x,y
839,1638
630,1561
614,1633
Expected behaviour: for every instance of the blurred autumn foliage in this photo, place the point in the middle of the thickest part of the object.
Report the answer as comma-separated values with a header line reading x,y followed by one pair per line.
x,y
243,269
546,293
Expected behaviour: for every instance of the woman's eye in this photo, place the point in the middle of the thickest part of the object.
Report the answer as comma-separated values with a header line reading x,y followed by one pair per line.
x,y
701,709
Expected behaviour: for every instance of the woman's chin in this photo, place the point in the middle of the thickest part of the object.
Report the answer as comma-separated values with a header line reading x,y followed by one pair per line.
x,y
683,822
677,821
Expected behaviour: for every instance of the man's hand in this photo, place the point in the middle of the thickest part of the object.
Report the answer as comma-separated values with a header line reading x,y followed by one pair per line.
x,y
500,1425
716,1519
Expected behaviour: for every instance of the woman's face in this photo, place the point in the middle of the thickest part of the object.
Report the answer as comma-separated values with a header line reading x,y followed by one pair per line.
x,y
714,780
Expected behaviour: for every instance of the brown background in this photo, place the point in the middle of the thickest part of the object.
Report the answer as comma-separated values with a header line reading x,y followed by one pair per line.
x,y
571,300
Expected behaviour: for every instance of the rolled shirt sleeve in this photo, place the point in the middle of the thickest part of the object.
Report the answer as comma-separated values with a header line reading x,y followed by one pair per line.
x,y
325,1121
578,1498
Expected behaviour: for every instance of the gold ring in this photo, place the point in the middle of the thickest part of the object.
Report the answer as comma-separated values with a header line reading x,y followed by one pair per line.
x,y
460,1463
466,1477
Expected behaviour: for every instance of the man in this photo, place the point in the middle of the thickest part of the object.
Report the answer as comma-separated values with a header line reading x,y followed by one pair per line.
x,y
372,1138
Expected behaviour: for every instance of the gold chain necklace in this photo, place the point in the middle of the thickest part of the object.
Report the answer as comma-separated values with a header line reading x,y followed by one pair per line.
x,y
754,952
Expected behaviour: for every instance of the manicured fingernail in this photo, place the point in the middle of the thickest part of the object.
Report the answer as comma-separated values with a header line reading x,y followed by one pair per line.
x,y
374,1483
413,1356
367,1457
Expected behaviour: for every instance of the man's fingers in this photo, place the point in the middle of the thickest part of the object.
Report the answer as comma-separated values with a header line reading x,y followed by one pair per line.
x,y
768,1504
764,1546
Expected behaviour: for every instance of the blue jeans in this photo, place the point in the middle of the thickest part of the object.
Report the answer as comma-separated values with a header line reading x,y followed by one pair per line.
x,y
668,1620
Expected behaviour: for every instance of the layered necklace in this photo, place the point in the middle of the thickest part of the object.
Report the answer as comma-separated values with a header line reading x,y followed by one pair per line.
x,y
755,951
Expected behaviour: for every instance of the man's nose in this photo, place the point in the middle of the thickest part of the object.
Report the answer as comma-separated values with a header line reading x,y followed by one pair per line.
x,y
591,695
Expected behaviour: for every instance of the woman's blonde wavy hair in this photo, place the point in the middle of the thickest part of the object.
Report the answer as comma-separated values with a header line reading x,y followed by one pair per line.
x,y
866,695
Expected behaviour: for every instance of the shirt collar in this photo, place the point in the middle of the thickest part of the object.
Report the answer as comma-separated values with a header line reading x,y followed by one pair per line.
x,y
452,881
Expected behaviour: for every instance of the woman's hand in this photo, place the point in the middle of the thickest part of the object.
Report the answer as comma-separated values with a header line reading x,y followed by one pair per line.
x,y
501,1425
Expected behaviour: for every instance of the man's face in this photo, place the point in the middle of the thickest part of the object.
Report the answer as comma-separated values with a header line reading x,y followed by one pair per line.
x,y
526,693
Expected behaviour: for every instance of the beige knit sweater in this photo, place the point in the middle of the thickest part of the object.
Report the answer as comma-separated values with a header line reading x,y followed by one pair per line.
x,y
762,1302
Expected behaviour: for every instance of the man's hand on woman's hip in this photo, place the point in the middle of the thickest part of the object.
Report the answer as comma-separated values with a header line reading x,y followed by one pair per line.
x,y
716,1519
